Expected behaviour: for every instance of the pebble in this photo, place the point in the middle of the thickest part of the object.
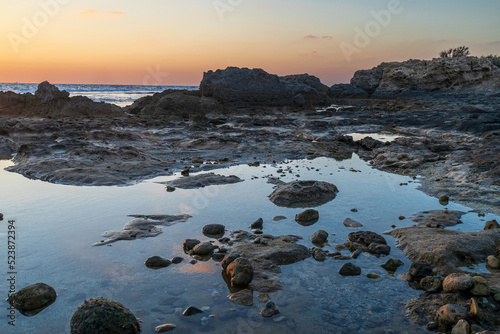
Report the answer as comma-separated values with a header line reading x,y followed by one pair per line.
x,y
165,328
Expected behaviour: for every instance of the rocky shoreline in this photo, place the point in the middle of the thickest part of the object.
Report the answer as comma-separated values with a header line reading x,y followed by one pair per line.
x,y
447,133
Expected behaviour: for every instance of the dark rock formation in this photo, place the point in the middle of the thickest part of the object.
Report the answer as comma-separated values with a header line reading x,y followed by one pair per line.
x,y
49,101
243,87
203,180
156,262
101,315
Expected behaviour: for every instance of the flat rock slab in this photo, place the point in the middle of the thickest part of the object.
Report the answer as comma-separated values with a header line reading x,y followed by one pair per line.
x,y
143,226
267,255
303,194
203,180
433,218
445,250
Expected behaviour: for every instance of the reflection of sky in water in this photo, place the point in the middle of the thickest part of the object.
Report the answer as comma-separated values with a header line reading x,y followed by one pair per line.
x,y
383,137
56,225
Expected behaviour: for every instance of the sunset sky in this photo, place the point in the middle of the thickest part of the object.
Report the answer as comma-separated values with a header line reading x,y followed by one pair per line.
x,y
169,42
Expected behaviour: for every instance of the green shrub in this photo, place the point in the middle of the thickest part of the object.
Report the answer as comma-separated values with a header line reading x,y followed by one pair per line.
x,y
494,58
461,51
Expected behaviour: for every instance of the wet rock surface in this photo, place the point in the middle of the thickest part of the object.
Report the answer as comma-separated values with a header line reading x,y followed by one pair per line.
x,y
435,218
301,194
265,257
203,180
101,315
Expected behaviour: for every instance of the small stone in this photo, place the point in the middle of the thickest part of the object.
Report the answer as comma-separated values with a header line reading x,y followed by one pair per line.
x,y
319,254
462,327
349,269
170,189
431,326
354,210
372,276
176,260
401,217
191,310
258,224
213,229
444,199
356,253
493,262
263,297
1,216
278,218
257,231
497,297
270,310
448,315
243,297
165,328
193,261
491,225
319,237
309,215
458,282
432,283
474,311
379,249
348,222
218,257
481,287
156,262
204,248
190,244
392,265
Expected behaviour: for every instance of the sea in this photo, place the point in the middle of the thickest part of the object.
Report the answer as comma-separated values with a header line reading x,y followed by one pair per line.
x,y
121,95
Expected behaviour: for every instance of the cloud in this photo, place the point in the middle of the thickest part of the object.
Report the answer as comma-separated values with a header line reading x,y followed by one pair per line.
x,y
115,12
317,37
89,11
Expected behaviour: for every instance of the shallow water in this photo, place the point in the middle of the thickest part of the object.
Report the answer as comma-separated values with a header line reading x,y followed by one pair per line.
x,y
56,225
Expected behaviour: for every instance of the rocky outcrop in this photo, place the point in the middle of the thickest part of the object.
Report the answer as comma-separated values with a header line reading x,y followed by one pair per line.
x,y
446,250
174,103
244,87
463,75
49,101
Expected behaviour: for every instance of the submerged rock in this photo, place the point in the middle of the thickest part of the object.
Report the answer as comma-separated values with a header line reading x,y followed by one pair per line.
x,y
307,217
301,194
348,222
32,298
101,315
392,265
203,180
269,310
191,310
318,254
165,328
434,218
243,297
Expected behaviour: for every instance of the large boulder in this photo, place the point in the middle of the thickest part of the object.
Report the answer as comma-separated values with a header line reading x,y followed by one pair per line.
x,y
442,75
244,87
101,315
47,92
240,272
301,194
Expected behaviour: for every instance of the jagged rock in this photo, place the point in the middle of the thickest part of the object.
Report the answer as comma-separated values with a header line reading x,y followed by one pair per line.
x,y
301,194
33,297
47,92
308,87
443,75
191,310
101,315
258,224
